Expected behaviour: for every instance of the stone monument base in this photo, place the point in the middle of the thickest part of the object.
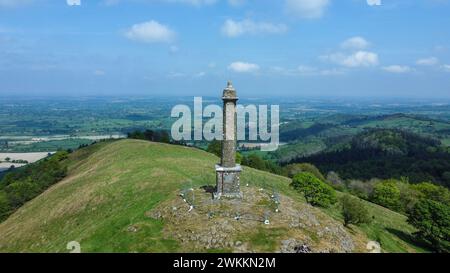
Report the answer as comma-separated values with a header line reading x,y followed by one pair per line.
x,y
228,182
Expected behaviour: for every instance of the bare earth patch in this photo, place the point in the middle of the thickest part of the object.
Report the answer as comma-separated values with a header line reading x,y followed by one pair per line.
x,y
263,221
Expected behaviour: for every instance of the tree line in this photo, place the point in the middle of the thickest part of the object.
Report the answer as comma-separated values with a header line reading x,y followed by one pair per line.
x,y
385,153
23,184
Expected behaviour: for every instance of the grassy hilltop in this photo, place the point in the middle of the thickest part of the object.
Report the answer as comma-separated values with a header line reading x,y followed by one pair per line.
x,y
104,202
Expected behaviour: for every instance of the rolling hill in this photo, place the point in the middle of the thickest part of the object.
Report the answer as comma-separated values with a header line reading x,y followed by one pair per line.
x,y
333,132
387,153
123,196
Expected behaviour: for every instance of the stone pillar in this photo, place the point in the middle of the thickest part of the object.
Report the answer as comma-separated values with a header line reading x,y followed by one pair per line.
x,y
228,172
229,127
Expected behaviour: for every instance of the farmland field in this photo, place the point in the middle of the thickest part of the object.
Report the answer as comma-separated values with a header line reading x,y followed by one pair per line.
x,y
30,157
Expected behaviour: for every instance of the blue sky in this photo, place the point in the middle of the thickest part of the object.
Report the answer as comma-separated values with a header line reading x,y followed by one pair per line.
x,y
366,48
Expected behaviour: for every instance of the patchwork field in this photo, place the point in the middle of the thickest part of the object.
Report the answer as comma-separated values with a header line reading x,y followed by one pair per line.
x,y
30,157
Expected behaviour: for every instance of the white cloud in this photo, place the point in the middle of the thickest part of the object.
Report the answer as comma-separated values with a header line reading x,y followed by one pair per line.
x,y
353,54
355,43
374,2
306,8
150,32
357,59
233,28
243,67
446,67
428,61
398,69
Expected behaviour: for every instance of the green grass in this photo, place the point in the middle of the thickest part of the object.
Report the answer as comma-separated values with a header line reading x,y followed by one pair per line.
x,y
265,238
388,228
110,187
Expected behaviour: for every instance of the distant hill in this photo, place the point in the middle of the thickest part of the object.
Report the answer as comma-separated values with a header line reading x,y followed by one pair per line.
x,y
334,132
118,197
387,153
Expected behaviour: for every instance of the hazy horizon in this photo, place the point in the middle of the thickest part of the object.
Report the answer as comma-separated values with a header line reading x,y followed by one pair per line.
x,y
290,48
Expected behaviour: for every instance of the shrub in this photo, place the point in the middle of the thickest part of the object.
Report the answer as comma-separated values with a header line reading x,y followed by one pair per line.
x,y
238,158
432,219
150,135
4,205
387,194
335,181
362,189
23,184
316,192
446,178
354,211
215,147
256,162
294,169
433,192
21,191
408,196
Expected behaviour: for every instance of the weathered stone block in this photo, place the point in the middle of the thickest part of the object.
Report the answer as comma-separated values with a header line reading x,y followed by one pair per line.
x,y
228,182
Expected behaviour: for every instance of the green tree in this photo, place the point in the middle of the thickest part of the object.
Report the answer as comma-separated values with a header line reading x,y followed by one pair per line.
x,y
238,158
354,211
254,161
362,189
316,192
21,191
5,208
150,135
432,219
136,135
23,184
215,147
293,169
335,181
387,194
433,192
163,137
446,179
408,196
